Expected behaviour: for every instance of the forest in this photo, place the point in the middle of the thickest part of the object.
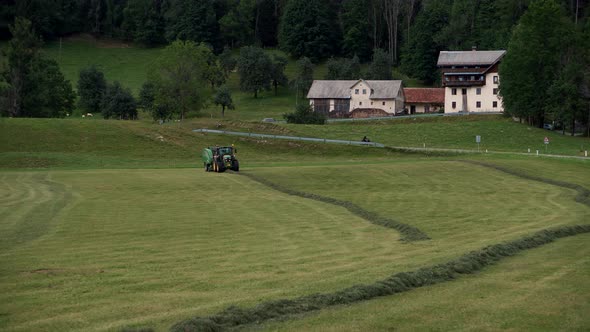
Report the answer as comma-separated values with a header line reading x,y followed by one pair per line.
x,y
411,33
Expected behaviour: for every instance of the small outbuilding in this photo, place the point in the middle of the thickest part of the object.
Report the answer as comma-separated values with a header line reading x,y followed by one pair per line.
x,y
424,100
356,99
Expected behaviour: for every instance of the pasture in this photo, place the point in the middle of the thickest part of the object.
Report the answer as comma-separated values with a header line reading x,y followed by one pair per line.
x,y
89,249
111,225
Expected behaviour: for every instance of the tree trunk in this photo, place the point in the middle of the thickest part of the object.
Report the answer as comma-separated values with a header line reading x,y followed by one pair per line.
x,y
222,111
255,93
573,126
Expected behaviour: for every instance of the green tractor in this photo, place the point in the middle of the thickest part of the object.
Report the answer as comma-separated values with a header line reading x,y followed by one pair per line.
x,y
220,158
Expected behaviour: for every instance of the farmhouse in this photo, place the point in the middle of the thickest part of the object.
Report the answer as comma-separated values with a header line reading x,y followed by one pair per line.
x,y
424,100
470,79
356,99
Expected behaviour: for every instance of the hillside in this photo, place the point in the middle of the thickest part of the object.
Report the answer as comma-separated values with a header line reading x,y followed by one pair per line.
x,y
109,143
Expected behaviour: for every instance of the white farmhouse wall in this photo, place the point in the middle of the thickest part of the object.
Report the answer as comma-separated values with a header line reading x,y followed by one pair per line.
x,y
362,99
486,98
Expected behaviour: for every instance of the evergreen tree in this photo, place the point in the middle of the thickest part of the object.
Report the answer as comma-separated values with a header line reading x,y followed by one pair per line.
x,y
357,38
380,68
223,98
144,21
532,61
193,20
420,54
238,24
91,88
254,68
308,28
118,103
31,85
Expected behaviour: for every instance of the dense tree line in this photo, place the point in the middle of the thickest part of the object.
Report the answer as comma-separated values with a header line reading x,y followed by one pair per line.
x,y
545,75
318,29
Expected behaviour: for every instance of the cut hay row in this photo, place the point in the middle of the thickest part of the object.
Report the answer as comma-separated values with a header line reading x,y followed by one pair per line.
x,y
469,263
583,195
409,233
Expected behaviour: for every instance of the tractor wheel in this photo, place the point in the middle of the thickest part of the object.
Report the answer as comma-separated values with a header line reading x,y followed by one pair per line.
x,y
236,166
220,167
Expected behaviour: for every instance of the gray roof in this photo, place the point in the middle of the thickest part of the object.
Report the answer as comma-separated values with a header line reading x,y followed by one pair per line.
x,y
342,89
464,58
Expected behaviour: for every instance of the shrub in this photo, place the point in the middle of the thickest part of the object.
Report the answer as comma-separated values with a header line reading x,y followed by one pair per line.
x,y
305,115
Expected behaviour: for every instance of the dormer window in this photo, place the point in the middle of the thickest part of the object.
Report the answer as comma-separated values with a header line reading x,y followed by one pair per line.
x,y
364,91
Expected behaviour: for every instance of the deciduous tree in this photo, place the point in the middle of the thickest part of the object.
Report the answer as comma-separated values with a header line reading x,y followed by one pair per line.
x,y
224,99
278,77
254,68
177,76
380,68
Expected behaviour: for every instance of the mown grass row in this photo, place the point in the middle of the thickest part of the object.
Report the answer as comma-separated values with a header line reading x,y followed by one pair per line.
x,y
469,263
409,233
583,195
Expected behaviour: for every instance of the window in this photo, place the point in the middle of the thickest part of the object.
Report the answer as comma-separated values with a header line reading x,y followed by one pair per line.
x,y
496,79
495,104
454,91
383,103
460,78
364,91
481,78
446,78
454,105
495,91
371,103
473,78
463,91
356,91
478,104
478,91
360,103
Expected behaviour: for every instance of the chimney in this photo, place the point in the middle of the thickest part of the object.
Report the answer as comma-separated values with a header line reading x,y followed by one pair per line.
x,y
474,48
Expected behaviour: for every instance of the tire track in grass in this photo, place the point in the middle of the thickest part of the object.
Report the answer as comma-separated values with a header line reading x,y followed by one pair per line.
x,y
50,197
408,233
472,262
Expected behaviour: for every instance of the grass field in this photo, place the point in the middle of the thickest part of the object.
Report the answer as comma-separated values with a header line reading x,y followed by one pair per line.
x,y
95,250
112,224
128,64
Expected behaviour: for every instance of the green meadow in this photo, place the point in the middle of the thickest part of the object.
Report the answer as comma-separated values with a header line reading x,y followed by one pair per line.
x,y
108,225
112,225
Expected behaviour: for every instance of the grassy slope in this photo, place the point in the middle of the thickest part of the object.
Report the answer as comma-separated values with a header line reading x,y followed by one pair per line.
x,y
128,65
150,247
498,134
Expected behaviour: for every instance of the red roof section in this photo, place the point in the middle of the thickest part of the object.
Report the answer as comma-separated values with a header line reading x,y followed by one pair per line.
x,y
425,95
